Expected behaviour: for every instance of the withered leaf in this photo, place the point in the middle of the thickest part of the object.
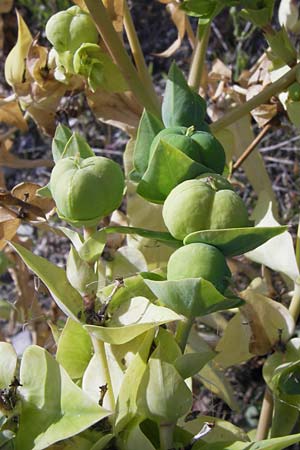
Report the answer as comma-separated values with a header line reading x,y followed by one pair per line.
x,y
179,19
8,230
115,9
11,114
27,192
5,6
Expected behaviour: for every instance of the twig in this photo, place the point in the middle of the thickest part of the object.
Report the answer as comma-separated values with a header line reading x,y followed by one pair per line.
x,y
273,89
120,56
251,147
137,52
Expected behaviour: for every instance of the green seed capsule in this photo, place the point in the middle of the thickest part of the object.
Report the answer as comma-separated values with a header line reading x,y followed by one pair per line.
x,y
199,261
85,190
195,205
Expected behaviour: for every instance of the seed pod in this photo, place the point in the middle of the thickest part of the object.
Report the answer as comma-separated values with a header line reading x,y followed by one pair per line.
x,y
85,190
195,205
67,30
199,261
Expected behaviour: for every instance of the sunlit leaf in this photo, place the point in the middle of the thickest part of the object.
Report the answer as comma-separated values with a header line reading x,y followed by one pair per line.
x,y
11,114
131,319
50,403
8,364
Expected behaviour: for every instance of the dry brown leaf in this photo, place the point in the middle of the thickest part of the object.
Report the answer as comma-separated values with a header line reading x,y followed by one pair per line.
x,y
115,9
5,6
11,114
27,192
8,230
37,62
180,21
219,71
119,110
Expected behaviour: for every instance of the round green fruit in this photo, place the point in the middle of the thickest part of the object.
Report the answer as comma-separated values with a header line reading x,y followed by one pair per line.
x,y
200,146
67,30
199,261
194,206
85,190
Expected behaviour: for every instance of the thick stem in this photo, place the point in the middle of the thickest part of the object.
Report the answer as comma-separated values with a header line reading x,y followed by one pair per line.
x,y
120,56
166,431
88,232
99,350
183,331
137,52
198,60
265,418
273,89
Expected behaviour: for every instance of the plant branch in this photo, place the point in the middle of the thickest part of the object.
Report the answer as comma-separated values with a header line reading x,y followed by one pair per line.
x,y
137,52
198,60
273,89
99,350
166,431
265,417
251,147
120,56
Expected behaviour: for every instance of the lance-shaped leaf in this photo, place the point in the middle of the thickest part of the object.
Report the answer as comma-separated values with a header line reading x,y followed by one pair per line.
x,y
134,438
93,247
149,127
278,253
131,319
8,364
126,406
191,297
66,297
257,11
15,61
74,349
75,146
181,106
235,241
53,407
60,139
167,168
270,322
161,236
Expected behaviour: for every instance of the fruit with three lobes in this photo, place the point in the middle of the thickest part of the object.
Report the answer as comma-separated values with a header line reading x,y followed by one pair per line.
x,y
67,30
195,205
199,261
294,92
200,146
85,190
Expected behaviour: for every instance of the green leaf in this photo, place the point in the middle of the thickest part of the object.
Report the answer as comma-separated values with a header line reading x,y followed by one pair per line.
x,y
132,318
161,236
276,443
235,241
53,407
6,437
66,297
74,349
163,395
279,426
149,127
258,12
80,274
134,438
93,247
181,106
75,237
8,364
191,297
77,145
126,406
191,363
61,137
167,168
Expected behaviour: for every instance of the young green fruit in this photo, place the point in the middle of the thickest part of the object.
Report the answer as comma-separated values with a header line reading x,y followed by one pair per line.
x,y
85,190
199,261
200,146
67,30
195,205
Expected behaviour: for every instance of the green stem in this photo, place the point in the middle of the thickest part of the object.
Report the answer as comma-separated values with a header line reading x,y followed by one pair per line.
x,y
198,60
99,350
120,56
298,246
138,53
265,417
273,89
88,232
166,431
183,331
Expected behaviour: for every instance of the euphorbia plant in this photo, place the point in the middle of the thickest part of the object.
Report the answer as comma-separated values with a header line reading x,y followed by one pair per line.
x,y
122,374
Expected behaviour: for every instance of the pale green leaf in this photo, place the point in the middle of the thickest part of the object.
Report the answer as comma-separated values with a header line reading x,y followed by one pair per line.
x,y
8,364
